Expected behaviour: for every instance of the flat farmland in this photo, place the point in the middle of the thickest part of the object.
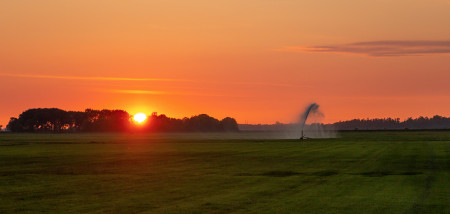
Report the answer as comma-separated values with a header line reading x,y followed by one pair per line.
x,y
359,172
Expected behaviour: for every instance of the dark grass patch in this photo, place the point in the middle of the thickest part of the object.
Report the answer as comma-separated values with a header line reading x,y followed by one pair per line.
x,y
291,173
411,173
375,174
386,173
326,173
244,174
13,144
280,173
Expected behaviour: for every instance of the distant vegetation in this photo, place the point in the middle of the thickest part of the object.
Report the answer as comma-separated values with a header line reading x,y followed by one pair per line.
x,y
436,122
57,120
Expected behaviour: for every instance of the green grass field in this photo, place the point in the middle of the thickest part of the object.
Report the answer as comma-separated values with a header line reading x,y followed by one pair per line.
x,y
360,172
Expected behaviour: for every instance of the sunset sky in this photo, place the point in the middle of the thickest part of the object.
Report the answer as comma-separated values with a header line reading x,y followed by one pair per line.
x,y
259,61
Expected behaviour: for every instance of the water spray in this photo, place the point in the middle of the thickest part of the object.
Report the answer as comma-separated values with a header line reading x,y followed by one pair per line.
x,y
311,109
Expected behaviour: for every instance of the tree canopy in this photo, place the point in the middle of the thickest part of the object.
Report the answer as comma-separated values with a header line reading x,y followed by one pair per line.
x,y
57,120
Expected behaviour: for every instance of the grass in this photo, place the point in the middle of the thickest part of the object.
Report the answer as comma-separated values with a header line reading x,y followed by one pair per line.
x,y
361,172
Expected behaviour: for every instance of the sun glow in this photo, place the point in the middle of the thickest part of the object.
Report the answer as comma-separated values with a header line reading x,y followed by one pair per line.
x,y
140,117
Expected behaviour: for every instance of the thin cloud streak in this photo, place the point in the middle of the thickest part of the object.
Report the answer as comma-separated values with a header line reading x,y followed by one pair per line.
x,y
271,84
137,92
88,78
380,48
142,79
150,92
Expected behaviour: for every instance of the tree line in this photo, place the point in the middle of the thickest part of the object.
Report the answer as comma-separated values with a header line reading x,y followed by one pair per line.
x,y
60,121
435,122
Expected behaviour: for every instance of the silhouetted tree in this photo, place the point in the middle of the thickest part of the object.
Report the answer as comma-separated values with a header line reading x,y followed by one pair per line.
x,y
39,120
203,122
104,120
229,124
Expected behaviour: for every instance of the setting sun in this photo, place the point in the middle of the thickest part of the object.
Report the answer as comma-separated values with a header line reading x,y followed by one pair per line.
x,y
140,117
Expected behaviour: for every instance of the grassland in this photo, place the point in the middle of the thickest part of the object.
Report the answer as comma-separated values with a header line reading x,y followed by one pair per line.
x,y
360,172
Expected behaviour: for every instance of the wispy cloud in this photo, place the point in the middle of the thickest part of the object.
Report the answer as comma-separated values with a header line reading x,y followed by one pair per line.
x,y
284,85
86,78
172,93
380,48
137,92
272,84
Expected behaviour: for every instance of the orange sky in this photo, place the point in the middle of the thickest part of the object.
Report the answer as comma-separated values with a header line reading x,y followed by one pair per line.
x,y
259,61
